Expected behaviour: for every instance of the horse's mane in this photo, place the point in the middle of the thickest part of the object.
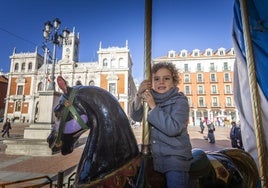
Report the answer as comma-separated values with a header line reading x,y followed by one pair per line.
x,y
111,142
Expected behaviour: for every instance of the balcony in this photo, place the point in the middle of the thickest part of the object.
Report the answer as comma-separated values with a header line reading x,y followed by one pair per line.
x,y
215,104
201,92
200,81
202,105
229,105
215,92
17,97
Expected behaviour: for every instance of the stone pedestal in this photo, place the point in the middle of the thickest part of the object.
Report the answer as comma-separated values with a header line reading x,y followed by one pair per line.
x,y
34,138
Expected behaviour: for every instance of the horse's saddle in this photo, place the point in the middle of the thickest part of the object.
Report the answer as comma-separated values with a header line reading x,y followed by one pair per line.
x,y
200,163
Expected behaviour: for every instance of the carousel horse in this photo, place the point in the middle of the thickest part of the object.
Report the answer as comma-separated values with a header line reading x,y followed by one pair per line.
x,y
111,156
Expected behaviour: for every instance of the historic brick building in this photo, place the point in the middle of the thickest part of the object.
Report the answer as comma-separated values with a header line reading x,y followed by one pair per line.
x,y
30,73
3,93
207,80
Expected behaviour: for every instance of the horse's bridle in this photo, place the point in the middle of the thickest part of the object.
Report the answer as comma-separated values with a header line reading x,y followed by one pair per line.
x,y
68,104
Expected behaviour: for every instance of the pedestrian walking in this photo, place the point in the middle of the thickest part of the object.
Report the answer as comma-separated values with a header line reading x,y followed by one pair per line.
x,y
211,129
6,127
235,136
202,127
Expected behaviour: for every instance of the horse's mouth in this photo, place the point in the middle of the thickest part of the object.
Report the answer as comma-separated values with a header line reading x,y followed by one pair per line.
x,y
67,143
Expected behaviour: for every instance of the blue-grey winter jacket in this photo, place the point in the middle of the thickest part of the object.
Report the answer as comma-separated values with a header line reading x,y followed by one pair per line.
x,y
169,138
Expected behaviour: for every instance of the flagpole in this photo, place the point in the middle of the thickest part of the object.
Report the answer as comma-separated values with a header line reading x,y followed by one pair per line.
x,y
255,101
145,150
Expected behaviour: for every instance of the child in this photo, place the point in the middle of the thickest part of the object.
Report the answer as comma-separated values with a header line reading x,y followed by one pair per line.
x,y
168,117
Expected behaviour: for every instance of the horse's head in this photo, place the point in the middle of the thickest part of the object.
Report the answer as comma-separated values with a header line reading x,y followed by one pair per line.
x,y
71,120
111,142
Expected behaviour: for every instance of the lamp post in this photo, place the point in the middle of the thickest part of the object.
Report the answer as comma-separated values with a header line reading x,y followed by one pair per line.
x,y
51,34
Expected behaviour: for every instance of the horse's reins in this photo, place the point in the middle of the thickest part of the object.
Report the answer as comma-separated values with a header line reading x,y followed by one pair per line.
x,y
68,104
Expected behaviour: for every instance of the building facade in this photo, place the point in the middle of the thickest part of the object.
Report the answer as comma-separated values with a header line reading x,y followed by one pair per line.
x,y
3,93
30,73
207,81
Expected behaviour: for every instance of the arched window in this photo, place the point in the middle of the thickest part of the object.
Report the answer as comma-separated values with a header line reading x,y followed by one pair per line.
x,y
40,86
105,62
16,67
23,67
30,66
113,63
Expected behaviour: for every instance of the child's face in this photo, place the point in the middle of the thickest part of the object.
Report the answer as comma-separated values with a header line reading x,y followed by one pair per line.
x,y
162,80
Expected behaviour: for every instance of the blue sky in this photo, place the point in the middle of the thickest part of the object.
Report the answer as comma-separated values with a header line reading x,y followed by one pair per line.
x,y
176,25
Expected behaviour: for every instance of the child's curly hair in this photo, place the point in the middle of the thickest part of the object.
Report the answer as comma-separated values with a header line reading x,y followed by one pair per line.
x,y
171,67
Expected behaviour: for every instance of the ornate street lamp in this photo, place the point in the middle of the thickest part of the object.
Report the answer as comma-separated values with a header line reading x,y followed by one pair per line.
x,y
51,34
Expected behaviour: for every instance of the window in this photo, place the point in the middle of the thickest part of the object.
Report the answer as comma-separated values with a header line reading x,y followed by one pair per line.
x,y
186,67
113,63
23,67
200,90
16,67
212,67
190,101
40,86
196,53
227,89
198,67
228,101
112,88
226,77
213,77
225,66
183,53
187,90
121,62
199,78
171,54
214,89
214,101
30,66
187,78
20,90
105,63
18,106
201,101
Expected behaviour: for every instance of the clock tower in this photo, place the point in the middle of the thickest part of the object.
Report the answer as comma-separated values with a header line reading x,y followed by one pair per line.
x,y
70,49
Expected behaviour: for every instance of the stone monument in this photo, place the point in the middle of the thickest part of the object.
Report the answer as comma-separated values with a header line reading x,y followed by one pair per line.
x,y
34,139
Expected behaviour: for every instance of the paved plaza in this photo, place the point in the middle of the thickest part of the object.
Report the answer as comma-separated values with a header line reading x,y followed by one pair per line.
x,y
18,167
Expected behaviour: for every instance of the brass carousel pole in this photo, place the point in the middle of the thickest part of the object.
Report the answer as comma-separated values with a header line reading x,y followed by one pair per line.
x,y
260,137
147,74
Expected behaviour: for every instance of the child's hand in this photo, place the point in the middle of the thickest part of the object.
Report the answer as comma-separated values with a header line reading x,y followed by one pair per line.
x,y
145,85
147,97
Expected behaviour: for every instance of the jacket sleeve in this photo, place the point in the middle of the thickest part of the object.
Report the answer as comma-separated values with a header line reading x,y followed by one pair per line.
x,y
171,123
136,110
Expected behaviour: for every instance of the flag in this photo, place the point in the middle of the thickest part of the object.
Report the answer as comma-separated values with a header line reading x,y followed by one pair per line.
x,y
258,27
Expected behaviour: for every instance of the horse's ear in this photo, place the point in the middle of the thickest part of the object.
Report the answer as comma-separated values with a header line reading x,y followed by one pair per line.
x,y
62,84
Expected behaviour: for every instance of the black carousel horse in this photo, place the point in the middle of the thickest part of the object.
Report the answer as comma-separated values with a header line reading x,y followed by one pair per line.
x,y
111,157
